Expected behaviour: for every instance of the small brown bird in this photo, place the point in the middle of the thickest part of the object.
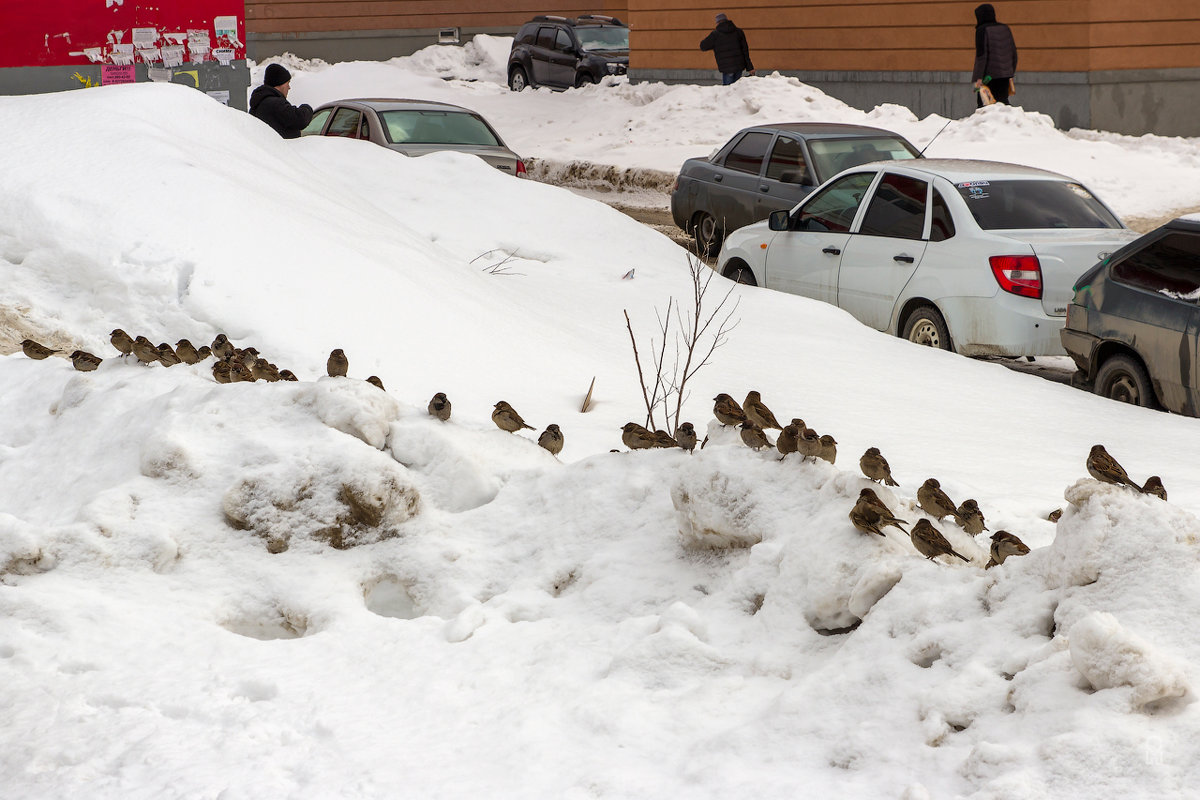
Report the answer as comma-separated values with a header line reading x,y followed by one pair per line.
x,y
934,502
885,514
809,443
240,373
166,354
635,437
1004,544
122,341
506,417
202,353
664,439
337,365
875,467
248,355
753,436
222,372
828,449
869,514
788,439
727,411
685,436
37,351
929,541
1103,467
187,352
222,348
287,375
265,370
145,351
551,440
1055,515
439,406
757,412
375,381
84,361
972,517
1154,486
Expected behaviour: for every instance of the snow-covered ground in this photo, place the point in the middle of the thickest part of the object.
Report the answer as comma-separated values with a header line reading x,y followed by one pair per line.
x,y
316,590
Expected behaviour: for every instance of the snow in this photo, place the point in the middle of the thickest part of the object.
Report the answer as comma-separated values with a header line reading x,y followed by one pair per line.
x,y
315,589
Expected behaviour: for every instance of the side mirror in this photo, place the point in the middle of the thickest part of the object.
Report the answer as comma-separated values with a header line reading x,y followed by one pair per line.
x,y
779,220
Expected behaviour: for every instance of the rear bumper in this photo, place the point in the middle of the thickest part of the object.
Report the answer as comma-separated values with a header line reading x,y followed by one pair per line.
x,y
1080,346
1002,325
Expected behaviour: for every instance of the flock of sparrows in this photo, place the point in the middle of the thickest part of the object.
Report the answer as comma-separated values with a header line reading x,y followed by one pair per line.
x,y
869,514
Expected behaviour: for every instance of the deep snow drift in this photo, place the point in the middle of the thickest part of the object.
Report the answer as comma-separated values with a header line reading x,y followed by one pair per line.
x,y
314,589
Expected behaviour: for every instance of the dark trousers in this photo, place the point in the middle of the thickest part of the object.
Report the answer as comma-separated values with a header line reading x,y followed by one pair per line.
x,y
999,87
730,77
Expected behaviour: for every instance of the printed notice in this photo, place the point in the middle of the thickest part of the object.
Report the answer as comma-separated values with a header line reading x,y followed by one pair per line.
x,y
117,73
223,55
221,96
145,38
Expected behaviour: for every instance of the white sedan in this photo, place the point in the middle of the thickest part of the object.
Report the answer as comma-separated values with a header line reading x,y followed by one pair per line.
x,y
977,257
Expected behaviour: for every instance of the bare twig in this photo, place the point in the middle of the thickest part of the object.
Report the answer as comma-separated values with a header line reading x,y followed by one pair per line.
x,y
637,361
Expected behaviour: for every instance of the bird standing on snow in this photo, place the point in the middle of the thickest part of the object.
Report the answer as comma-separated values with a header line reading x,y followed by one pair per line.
x,y
439,406
37,351
753,436
934,502
122,341
972,517
885,514
1103,467
727,411
337,365
145,351
551,440
84,361
1004,544
869,514
685,436
1154,486
636,437
186,352
222,372
664,439
287,375
202,353
375,381
757,412
167,355
507,418
875,467
929,541
809,443
828,449
789,438
222,348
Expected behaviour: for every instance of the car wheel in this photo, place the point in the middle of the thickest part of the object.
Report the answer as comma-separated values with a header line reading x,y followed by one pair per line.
x,y
1123,378
583,79
517,80
708,233
740,274
926,326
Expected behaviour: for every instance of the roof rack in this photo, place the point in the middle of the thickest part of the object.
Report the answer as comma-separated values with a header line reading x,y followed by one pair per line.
x,y
549,18
598,18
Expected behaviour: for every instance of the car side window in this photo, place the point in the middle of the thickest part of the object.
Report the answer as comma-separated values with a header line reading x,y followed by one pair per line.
x,y
747,155
787,161
1167,266
527,35
562,41
833,208
545,37
941,224
344,123
897,209
318,122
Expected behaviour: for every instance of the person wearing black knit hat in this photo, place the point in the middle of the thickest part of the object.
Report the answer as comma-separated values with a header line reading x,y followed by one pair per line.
x,y
269,103
995,56
728,43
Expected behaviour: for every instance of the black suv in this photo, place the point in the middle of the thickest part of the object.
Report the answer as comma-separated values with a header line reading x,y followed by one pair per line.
x,y
560,53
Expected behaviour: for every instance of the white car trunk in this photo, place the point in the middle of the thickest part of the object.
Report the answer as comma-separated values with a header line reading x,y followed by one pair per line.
x,y
1064,257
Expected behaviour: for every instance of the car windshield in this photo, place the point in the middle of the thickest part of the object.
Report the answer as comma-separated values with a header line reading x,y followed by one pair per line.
x,y
615,38
1025,204
436,127
831,156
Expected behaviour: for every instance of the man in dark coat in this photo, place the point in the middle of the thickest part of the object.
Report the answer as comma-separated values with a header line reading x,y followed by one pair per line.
x,y
995,55
728,44
269,103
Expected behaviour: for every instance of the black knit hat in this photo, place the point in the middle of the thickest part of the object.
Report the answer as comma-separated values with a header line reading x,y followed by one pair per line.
x,y
276,75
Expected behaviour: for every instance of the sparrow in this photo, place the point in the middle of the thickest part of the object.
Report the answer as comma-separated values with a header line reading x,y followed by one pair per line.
x,y
636,437
788,439
84,361
828,449
222,372
262,369
240,372
1103,467
972,517
757,412
685,436
885,514
1154,486
929,541
875,467
934,502
146,352
186,352
248,355
753,436
1055,515
374,381
664,439
867,517
287,375
122,341
505,417
809,443
222,348
37,351
338,365
439,406
166,354
551,440
727,411
202,353
1004,544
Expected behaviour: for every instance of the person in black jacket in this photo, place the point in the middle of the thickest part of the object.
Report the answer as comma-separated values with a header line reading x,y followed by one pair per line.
x,y
995,55
728,44
269,103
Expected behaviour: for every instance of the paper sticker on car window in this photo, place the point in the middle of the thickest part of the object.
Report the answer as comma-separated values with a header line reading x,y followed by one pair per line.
x,y
969,184
976,193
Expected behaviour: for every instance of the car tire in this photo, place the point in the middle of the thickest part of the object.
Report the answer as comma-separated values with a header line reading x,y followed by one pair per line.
x,y
708,233
517,79
583,79
740,274
1124,379
926,326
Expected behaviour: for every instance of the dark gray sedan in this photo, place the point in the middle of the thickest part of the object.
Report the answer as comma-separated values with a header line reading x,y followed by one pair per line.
x,y
771,168
415,127
1133,326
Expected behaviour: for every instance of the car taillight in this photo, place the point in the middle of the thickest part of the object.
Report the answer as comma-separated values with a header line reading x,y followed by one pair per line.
x,y
1020,275
521,171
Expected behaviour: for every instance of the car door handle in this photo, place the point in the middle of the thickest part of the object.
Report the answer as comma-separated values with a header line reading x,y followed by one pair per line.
x,y
764,188
833,251
904,259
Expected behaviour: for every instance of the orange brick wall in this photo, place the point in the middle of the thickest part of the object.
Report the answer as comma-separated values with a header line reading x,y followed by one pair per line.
x,y
310,16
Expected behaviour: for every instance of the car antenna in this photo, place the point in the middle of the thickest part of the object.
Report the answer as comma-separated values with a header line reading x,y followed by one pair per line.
x,y
939,133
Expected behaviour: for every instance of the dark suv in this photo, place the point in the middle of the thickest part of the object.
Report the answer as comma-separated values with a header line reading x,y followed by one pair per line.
x,y
560,53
